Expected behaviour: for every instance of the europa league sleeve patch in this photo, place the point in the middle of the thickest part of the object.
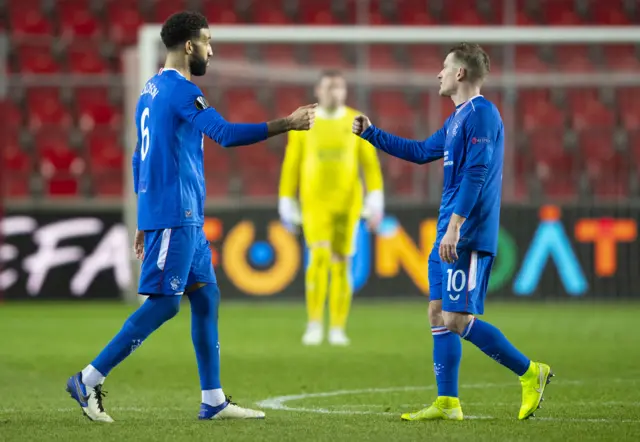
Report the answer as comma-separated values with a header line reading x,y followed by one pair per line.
x,y
201,103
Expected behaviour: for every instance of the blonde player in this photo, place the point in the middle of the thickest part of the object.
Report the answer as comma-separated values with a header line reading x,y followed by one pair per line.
x,y
322,168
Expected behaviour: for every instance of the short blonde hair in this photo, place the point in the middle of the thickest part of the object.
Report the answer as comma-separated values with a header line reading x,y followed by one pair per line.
x,y
474,59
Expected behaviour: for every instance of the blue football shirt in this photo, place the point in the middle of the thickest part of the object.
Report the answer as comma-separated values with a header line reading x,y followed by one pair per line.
x,y
471,144
172,117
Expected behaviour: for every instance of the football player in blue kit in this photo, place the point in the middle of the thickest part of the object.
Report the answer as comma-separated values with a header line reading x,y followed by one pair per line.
x,y
172,117
471,144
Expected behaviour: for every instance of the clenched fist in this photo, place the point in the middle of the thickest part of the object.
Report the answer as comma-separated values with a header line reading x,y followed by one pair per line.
x,y
303,117
360,124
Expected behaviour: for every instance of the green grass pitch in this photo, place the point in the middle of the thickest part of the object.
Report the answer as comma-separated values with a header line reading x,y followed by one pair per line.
x,y
321,394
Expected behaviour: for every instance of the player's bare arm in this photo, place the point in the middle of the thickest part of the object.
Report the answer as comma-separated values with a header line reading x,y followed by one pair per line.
x,y
300,119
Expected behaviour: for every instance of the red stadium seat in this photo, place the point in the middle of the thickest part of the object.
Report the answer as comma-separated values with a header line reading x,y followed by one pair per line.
x,y
229,51
560,12
399,175
26,18
540,115
123,19
46,109
622,57
608,171
391,103
270,13
610,12
556,169
523,171
595,115
163,9
221,12
317,13
218,168
260,171
426,58
376,14
528,59
382,57
524,19
37,59
573,58
415,13
16,167
329,56
634,151
76,19
628,100
11,114
243,106
463,14
280,55
59,165
288,99
580,98
85,59
94,109
106,160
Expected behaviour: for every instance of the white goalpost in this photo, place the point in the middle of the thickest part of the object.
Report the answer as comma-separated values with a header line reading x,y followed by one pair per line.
x,y
143,61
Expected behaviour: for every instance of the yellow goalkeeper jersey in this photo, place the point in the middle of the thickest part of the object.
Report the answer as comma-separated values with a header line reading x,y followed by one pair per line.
x,y
324,164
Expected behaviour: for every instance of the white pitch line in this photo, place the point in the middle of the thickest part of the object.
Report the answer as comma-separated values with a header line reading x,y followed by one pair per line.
x,y
280,403
498,404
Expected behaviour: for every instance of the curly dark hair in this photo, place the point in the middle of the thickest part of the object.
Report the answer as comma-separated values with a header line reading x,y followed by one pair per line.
x,y
182,26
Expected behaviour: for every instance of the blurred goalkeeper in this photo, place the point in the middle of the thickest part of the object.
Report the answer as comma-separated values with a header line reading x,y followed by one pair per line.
x,y
472,145
322,168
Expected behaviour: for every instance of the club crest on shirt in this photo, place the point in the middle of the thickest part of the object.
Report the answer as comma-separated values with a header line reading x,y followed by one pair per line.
x,y
174,283
201,103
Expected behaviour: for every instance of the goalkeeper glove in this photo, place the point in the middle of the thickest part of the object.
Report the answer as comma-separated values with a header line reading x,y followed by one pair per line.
x,y
289,212
373,210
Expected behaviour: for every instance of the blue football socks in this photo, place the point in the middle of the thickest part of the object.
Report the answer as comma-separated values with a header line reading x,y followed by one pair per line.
x,y
494,344
447,352
204,333
155,311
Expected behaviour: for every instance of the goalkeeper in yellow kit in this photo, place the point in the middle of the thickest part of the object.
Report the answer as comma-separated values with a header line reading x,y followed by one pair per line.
x,y
322,169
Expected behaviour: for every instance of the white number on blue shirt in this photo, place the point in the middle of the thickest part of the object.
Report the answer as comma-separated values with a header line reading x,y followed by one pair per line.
x,y
452,277
144,143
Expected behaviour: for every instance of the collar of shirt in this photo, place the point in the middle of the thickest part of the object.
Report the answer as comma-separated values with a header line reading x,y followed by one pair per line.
x,y
170,69
463,105
339,113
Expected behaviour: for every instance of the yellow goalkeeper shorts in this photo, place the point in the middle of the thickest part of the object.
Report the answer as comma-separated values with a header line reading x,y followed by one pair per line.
x,y
337,228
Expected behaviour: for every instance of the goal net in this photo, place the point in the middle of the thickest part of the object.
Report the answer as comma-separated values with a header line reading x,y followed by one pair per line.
x,y
567,97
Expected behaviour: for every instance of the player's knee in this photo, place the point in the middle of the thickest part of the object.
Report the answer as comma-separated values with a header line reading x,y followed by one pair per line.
x,y
320,253
165,306
456,322
435,314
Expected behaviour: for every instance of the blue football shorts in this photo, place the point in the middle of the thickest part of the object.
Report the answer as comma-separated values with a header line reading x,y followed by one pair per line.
x,y
175,259
462,285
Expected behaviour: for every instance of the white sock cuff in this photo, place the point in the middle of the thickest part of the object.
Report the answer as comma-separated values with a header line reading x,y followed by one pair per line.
x,y
213,397
91,376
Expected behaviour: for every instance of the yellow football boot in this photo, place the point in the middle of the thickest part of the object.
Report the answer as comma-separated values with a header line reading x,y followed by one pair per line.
x,y
444,408
534,381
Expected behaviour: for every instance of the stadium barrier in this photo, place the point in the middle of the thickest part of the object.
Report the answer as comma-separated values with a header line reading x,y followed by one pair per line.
x,y
547,252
